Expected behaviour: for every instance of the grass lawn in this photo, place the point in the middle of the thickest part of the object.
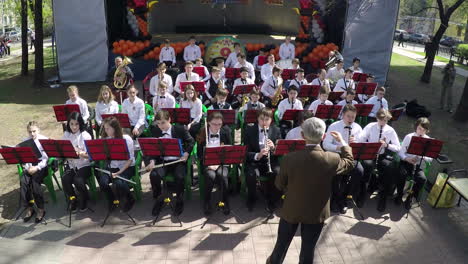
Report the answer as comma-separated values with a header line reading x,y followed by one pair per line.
x,y
441,59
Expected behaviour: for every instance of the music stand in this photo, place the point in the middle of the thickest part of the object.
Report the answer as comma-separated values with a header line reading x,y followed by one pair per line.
x,y
200,70
232,73
292,114
261,60
396,113
199,86
162,147
363,109
328,111
363,151
288,74
284,146
250,116
243,89
423,147
63,111
366,88
360,77
107,150
307,90
179,115
334,96
121,117
229,115
224,155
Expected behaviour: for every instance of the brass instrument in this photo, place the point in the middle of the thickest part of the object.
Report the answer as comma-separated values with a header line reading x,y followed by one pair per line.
x,y
278,96
120,75
265,145
245,100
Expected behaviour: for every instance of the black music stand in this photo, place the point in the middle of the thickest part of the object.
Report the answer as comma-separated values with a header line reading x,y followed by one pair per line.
x,y
179,115
199,86
363,151
360,77
328,111
162,147
121,117
244,89
232,73
229,115
284,146
366,88
107,150
22,155
423,147
224,155
63,111
335,96
288,74
308,91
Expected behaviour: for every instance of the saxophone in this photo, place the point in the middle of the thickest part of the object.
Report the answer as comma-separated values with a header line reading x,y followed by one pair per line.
x,y
120,76
277,97
245,100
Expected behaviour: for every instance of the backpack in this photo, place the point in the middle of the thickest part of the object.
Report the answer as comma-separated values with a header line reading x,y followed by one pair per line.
x,y
416,110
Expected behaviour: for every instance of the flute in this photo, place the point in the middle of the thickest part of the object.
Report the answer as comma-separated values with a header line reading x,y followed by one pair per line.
x,y
163,164
117,176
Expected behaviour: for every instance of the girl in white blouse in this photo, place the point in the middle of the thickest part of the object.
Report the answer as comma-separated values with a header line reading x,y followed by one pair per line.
x,y
105,104
192,101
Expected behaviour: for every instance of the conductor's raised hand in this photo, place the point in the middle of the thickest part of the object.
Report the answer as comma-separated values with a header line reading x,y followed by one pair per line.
x,y
337,136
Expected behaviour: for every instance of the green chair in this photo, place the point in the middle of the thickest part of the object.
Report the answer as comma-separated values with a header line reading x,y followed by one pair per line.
x,y
48,182
137,176
91,182
149,113
458,184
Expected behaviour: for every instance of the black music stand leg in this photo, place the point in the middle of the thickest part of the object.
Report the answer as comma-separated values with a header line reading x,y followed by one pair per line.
x,y
131,218
109,212
418,167
356,207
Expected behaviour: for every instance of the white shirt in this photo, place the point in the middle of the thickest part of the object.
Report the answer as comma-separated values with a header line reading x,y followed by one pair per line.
x,y
182,77
355,70
330,144
374,100
191,53
298,83
213,141
317,81
255,63
163,101
83,107
135,111
314,105
269,86
239,81
208,85
343,103
195,109
334,74
221,105
295,133
154,82
285,104
231,60
249,67
44,158
404,148
105,109
207,73
77,140
167,54
258,106
131,153
287,51
343,84
371,133
261,140
266,71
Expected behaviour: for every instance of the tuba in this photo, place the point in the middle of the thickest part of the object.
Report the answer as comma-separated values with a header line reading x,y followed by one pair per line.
x,y
278,96
120,76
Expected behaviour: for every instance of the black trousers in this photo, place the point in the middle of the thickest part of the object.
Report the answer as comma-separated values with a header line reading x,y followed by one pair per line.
x,y
121,188
310,234
406,169
79,179
179,171
257,169
342,185
385,174
30,188
220,176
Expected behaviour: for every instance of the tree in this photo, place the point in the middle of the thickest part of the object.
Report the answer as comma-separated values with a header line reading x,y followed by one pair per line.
x,y
462,110
445,12
38,45
24,38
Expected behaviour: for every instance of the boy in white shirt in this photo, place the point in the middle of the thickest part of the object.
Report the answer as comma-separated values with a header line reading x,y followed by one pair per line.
x,y
220,65
242,62
261,53
349,100
378,101
167,54
267,68
270,85
232,58
213,84
323,99
163,99
299,80
321,80
187,76
345,83
135,108
364,97
289,103
243,80
192,51
74,98
355,67
161,76
337,72
199,63
287,49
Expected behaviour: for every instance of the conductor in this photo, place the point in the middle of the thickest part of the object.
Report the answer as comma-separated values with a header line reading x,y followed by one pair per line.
x,y
306,178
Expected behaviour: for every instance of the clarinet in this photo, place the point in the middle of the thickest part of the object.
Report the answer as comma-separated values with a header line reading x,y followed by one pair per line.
x,y
376,170
265,139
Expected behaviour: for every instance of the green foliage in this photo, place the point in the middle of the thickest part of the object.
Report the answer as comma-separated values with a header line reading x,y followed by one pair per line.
x,y
14,7
462,49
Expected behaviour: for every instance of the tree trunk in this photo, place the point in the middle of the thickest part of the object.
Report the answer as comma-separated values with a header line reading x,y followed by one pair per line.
x,y
462,110
24,38
38,45
432,48
466,32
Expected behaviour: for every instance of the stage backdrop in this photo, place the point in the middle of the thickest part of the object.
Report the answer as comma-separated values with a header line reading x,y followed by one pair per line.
x,y
368,34
81,35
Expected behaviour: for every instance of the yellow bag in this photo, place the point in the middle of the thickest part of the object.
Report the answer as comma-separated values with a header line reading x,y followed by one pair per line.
x,y
447,198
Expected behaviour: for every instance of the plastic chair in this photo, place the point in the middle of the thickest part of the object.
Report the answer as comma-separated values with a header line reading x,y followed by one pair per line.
x,y
91,182
458,184
48,182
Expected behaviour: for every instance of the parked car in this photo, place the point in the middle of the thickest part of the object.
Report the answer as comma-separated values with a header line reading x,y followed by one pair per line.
x,y
397,34
14,35
450,42
419,38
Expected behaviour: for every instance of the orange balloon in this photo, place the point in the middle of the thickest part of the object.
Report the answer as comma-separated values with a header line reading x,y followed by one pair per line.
x,y
135,49
115,44
151,54
305,60
179,49
147,43
121,42
124,46
157,49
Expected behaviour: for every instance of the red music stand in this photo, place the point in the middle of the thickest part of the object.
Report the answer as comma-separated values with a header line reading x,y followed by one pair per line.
x,y
360,77
328,111
250,116
199,70
288,74
232,73
63,111
307,90
363,109
365,151
121,117
229,115
334,96
396,113
199,86
292,114
107,149
366,88
179,115
244,89
284,146
19,155
261,60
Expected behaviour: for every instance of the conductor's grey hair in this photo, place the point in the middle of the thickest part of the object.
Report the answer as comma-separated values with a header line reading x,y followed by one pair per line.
x,y
313,130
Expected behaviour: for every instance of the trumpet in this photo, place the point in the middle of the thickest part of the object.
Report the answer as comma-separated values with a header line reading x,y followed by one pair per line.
x,y
265,145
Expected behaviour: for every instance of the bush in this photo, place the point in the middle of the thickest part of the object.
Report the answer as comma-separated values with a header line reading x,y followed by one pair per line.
x,y
462,50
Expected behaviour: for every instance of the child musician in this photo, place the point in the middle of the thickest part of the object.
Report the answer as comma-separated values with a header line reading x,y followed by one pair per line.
x,y
364,97
122,168
161,76
351,132
299,80
381,132
163,99
378,101
192,51
243,80
74,98
321,79
295,64
289,103
257,66
409,164
218,135
270,85
221,96
220,64
345,83
267,68
187,76
254,102
135,108
323,99
287,50
167,54
355,67
232,58
199,63
337,72
77,171
242,62
162,128
349,99
259,140
214,83
33,175
192,102
296,133
105,104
